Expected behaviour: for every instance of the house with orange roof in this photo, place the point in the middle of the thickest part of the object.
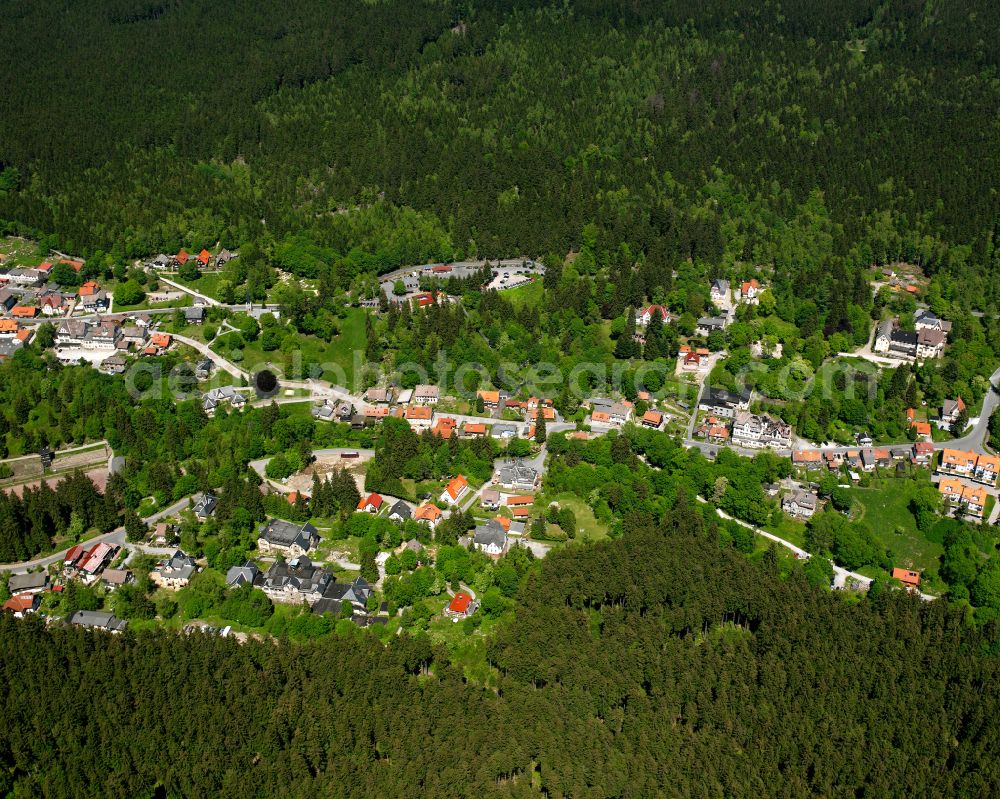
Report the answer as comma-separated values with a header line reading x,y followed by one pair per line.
x,y
950,488
457,488
72,263
24,335
474,429
923,429
958,462
521,512
520,501
89,288
371,503
420,417
986,470
182,257
907,577
602,417
160,341
549,414
24,312
972,499
375,413
810,458
691,361
428,514
203,257
444,427
23,604
750,292
653,419
491,399
8,327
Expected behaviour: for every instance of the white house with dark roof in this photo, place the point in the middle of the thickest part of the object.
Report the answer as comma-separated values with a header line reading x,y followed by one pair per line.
x,y
490,538
276,536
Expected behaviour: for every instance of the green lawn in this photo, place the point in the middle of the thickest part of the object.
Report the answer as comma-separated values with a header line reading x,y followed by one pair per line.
x,y
337,357
588,528
145,305
790,530
207,284
885,509
528,294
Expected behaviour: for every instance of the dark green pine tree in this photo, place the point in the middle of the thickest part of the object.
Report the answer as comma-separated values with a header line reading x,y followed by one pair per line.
x,y
626,346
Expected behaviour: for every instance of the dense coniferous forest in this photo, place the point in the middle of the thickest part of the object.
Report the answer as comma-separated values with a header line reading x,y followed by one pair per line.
x,y
812,139
660,142
655,663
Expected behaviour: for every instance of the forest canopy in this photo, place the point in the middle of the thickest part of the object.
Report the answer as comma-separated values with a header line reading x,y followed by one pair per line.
x,y
409,131
655,662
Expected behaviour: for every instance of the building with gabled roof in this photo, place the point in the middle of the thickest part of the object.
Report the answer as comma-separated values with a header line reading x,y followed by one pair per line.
x,y
428,514
457,488
370,504
22,604
490,538
461,606
289,539
98,620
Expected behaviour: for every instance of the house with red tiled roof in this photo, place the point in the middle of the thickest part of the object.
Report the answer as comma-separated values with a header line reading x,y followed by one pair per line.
x,y
455,490
182,257
370,504
460,606
203,257
644,317
22,604
520,501
471,429
88,288
427,513
922,452
907,577
158,343
652,419
24,312
444,427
